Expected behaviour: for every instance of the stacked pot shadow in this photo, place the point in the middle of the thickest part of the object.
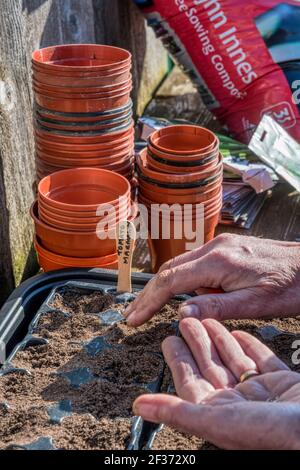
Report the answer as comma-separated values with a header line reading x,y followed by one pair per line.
x,y
83,110
182,165
76,216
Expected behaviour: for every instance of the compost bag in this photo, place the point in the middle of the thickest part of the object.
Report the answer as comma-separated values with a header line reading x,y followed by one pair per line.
x,y
243,56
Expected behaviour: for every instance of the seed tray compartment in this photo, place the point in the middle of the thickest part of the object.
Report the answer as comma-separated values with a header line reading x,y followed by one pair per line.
x,y
63,408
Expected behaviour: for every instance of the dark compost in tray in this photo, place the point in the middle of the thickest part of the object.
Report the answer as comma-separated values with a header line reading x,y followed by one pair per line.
x,y
71,383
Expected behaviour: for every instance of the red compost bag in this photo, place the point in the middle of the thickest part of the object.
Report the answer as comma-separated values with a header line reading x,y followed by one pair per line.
x,y
244,56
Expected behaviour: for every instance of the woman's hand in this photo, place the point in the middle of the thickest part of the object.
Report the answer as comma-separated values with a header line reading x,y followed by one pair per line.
x,y
260,278
261,413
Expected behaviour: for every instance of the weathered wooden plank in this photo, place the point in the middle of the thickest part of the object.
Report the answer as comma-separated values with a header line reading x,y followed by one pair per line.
x,y
120,23
25,26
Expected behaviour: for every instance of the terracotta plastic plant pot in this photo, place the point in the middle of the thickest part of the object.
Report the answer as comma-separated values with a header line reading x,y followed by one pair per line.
x,y
73,221
173,193
82,189
77,227
81,57
84,161
65,154
79,73
175,180
54,137
83,105
86,126
74,81
198,159
121,165
165,166
194,198
88,94
74,244
191,212
164,250
51,262
62,89
183,140
114,142
66,214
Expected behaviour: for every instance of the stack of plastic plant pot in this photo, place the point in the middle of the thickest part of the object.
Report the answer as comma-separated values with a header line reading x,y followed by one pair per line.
x,y
182,166
83,110
76,217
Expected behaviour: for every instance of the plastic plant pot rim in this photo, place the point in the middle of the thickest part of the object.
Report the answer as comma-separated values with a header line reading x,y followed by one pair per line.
x,y
54,257
182,129
174,192
89,95
110,152
109,112
82,105
133,208
79,75
90,89
186,158
156,207
216,198
165,178
84,161
82,235
121,164
83,129
49,266
187,185
87,124
83,96
85,217
192,198
113,138
81,80
118,57
48,184
212,212
79,149
183,163
175,170
76,227
80,71
88,135
80,215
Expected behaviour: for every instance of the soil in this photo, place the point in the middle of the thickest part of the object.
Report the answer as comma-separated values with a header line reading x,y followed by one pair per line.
x,y
116,364
113,365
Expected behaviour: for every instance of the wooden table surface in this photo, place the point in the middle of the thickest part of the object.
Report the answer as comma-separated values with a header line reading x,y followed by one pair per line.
x,y
279,219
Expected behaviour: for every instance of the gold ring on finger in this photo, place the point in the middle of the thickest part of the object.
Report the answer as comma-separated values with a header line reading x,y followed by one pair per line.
x,y
248,374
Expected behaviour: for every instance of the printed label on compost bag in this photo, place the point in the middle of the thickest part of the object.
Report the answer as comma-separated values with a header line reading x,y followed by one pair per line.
x,y
243,56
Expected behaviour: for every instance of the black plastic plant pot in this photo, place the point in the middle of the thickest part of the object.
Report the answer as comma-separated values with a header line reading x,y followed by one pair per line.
x,y
59,114
32,314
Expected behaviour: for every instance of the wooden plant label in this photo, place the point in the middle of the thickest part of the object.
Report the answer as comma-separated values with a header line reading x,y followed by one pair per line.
x,y
126,236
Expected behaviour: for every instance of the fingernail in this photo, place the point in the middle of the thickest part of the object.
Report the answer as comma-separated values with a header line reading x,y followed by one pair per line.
x,y
146,411
127,311
190,310
130,317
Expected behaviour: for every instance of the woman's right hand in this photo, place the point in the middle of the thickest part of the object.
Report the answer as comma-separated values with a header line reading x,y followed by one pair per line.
x,y
260,278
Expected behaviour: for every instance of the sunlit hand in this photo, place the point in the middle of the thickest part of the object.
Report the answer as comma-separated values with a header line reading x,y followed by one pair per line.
x,y
261,413
260,278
